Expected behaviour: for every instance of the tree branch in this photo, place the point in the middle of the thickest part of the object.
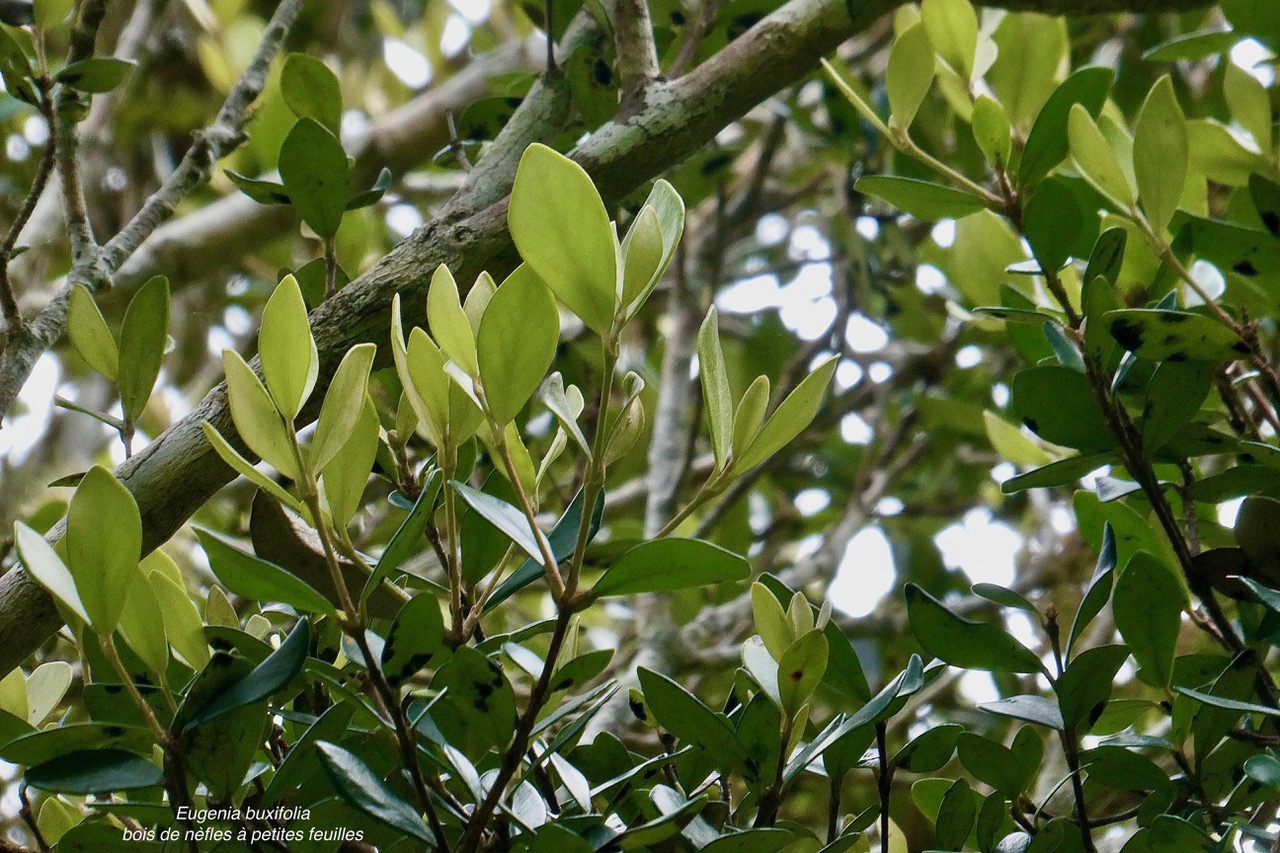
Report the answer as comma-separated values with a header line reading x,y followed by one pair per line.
x,y
633,43
178,472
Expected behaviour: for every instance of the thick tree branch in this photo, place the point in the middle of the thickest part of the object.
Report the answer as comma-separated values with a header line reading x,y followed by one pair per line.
x,y
178,472
633,43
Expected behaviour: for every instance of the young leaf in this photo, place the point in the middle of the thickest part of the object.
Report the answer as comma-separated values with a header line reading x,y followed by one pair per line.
x,y
449,323
246,575
182,623
232,457
641,255
142,626
1160,154
313,167
142,343
266,679
909,75
343,404
345,477
256,417
953,31
668,206
1096,161
311,90
518,337
665,565
46,687
46,567
792,417
715,388
963,643
1147,603
1249,102
800,670
561,228
44,15
89,333
992,132
367,792
925,201
96,74
290,363
749,416
104,544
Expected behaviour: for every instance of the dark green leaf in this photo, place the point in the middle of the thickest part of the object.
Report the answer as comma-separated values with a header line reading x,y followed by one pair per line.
x,y
363,789
1174,396
562,539
963,643
1052,221
955,816
408,536
930,751
1231,248
1085,687
313,167
1147,603
1047,143
266,679
245,574
1057,404
416,639
261,191
1167,335
665,565
1032,709
992,763
94,771
374,194
923,200
684,716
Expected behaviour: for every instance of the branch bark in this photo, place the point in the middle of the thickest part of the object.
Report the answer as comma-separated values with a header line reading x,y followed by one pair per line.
x,y
178,472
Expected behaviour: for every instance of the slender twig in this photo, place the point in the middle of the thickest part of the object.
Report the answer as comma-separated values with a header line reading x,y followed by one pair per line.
x,y
633,43
8,301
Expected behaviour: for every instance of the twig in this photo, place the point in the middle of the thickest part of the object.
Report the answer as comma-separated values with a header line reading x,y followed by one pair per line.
x,y
633,42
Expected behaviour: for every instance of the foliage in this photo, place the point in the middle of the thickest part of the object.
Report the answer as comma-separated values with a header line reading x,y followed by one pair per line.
x,y
452,628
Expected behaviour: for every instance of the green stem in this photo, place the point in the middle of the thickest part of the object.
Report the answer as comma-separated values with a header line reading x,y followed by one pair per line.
x,y
108,645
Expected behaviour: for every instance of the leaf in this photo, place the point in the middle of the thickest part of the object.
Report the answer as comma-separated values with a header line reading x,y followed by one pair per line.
x,y
1200,44
909,74
1032,709
96,74
991,763
666,565
89,333
992,132
1011,444
46,567
182,623
518,336
684,716
563,540
408,536
792,417
261,191
715,388
1161,154
1085,686
313,167
1060,473
46,686
449,324
924,200
479,709
142,626
343,404
46,14
246,575
1174,396
1147,604
416,639
1167,335
345,477
290,362
562,231
1265,194
955,816
232,457
363,789
1228,704
1053,221
962,643
374,194
96,771
312,90
142,343
255,416
1231,248
104,544
1047,143
1057,404
953,31
642,251
749,416
930,751
1257,532
1249,102
801,669
265,680
502,515
1096,160
667,204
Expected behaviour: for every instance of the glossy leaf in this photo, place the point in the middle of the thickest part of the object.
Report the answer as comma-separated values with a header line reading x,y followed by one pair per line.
x,y
266,679
87,772
518,337
1160,154
44,565
909,74
964,643
1096,160
342,405
104,544
363,789
1047,143
925,201
665,565
502,515
246,575
792,417
290,363
560,226
89,333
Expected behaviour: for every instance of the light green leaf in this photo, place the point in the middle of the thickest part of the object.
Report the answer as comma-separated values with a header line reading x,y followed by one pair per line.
x,y
909,75
345,477
992,132
232,457
89,333
290,362
1047,143
46,14
256,417
246,575
104,544
314,169
46,567
46,686
1011,444
668,206
312,90
1164,334
953,30
749,416
923,200
478,299
964,643
791,418
1160,154
343,405
715,388
641,255
1147,603
665,565
142,626
142,343
800,670
1096,160
1217,150
771,620
1249,102
182,622
96,74
516,343
562,230
1033,59
449,323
